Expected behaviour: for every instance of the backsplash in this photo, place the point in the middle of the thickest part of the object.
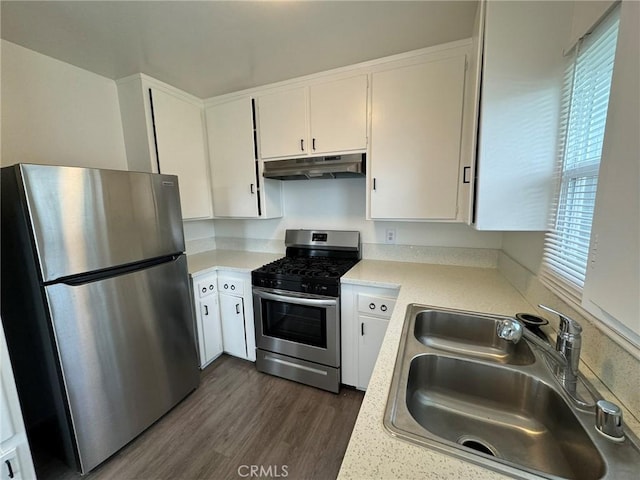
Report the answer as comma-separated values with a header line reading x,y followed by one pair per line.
x,y
469,257
609,357
199,245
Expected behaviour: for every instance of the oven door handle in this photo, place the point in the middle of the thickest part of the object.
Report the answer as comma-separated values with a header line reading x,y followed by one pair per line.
x,y
312,302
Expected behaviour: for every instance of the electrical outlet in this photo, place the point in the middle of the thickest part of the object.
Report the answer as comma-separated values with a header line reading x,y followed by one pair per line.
x,y
390,236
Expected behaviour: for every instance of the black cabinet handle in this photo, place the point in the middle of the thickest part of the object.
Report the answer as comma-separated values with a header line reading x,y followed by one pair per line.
x,y
238,308
362,329
313,143
302,144
206,310
10,468
465,179
251,188
374,183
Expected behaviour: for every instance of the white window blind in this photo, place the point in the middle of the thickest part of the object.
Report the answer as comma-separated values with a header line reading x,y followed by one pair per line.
x,y
583,120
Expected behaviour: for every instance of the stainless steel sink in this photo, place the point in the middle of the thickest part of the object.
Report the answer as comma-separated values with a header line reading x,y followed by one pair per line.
x,y
470,335
501,413
454,392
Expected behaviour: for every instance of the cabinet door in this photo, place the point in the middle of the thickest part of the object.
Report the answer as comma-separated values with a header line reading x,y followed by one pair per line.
x,y
282,127
233,331
613,277
522,77
372,332
14,446
338,115
210,328
415,140
232,159
179,137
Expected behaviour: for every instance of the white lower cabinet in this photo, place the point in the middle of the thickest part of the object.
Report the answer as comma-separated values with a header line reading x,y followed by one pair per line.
x,y
233,328
236,314
372,332
365,313
207,318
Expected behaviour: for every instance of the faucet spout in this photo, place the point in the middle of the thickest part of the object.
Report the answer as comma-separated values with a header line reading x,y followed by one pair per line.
x,y
569,340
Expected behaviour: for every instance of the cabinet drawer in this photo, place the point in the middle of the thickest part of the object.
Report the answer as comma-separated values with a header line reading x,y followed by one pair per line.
x,y
206,287
231,285
373,305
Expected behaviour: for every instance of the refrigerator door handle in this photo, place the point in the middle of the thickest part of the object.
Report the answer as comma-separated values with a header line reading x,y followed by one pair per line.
x,y
96,276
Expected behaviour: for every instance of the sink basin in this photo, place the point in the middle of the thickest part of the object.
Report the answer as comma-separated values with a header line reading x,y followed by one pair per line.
x,y
470,335
459,390
501,413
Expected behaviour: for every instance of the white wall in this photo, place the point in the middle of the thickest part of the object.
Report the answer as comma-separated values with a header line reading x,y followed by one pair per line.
x,y
339,204
55,113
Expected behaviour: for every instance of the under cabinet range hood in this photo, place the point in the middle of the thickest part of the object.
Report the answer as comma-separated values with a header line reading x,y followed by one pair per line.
x,y
335,166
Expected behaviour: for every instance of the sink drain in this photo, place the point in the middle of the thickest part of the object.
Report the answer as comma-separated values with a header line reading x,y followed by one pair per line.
x,y
477,445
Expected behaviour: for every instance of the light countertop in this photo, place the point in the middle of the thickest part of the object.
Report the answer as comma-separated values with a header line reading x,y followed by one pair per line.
x,y
205,262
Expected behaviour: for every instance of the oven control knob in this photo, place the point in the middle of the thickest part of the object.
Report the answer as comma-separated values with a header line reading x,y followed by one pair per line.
x,y
372,306
233,287
304,287
226,286
321,288
383,308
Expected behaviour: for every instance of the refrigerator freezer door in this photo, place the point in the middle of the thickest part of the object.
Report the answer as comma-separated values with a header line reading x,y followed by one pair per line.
x,y
127,350
87,219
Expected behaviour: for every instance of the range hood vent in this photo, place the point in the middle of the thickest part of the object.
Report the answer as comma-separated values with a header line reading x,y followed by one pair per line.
x,y
336,166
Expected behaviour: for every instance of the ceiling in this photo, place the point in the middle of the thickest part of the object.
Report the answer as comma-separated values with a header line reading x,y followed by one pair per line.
x,y
209,48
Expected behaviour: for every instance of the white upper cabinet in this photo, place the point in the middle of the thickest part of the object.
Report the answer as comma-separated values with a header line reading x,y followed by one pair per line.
x,y
613,273
338,115
231,153
180,143
164,132
283,123
238,189
416,134
522,76
322,118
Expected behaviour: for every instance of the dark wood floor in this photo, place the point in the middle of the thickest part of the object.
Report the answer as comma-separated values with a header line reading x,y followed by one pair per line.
x,y
236,419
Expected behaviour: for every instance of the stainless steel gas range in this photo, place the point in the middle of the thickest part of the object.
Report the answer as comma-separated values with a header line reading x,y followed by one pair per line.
x,y
296,302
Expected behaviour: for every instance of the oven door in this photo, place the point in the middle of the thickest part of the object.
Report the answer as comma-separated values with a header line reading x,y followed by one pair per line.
x,y
299,325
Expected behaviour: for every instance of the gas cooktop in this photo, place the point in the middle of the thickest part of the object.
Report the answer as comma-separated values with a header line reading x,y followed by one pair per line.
x,y
314,263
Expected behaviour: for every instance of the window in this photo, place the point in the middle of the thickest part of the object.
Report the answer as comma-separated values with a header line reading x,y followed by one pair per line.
x,y
585,101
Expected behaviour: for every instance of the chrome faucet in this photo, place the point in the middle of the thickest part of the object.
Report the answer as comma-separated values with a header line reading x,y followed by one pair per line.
x,y
566,354
569,340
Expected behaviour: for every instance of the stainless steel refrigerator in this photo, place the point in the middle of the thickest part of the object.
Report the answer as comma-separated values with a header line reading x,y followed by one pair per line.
x,y
95,305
